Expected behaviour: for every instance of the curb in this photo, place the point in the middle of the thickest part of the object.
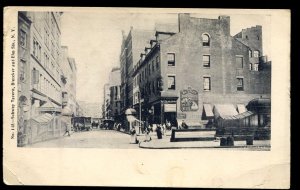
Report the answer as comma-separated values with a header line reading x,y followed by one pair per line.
x,y
227,147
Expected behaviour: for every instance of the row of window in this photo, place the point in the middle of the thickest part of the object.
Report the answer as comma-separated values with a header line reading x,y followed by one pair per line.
x,y
151,68
254,53
49,65
206,83
44,85
206,62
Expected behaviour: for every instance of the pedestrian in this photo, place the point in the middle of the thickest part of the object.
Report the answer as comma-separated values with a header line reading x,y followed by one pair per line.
x,y
147,135
164,129
184,125
168,125
158,131
68,128
133,136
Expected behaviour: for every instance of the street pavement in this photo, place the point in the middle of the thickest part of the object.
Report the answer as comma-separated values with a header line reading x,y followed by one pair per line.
x,y
90,139
112,139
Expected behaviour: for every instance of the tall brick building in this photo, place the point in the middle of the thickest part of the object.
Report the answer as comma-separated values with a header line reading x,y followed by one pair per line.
x,y
185,74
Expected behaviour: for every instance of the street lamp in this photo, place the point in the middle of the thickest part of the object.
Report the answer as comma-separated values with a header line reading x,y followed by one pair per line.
x,y
140,111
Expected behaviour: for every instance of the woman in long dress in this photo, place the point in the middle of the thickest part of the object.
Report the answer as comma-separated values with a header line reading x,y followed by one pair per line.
x,y
133,137
147,135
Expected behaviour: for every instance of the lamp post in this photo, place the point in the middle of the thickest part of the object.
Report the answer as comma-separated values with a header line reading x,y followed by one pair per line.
x,y
140,112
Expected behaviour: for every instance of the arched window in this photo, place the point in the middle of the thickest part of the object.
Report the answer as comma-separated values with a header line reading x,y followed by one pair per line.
x,y
205,40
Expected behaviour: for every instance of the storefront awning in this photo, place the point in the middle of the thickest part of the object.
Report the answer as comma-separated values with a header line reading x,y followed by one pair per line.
x,y
241,108
224,110
208,110
239,116
39,97
50,107
67,111
44,118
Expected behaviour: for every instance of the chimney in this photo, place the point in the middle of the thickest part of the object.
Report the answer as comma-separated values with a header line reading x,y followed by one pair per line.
x,y
225,24
183,19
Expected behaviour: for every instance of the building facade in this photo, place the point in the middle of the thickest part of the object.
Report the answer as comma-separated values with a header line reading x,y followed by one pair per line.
x,y
115,96
40,74
23,79
186,73
69,73
45,66
106,102
90,109
131,47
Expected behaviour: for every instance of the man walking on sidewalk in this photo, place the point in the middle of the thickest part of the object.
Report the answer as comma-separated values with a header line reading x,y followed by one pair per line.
x,y
68,128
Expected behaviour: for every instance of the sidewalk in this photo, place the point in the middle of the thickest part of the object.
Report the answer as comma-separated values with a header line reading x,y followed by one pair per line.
x,y
166,144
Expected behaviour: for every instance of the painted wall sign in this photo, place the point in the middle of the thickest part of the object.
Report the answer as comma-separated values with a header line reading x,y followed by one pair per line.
x,y
170,107
189,100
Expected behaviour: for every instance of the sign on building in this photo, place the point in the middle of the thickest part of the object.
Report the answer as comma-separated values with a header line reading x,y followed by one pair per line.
x,y
189,100
170,107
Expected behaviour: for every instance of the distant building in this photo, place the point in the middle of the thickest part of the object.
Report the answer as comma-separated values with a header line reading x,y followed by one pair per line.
x,y
132,45
182,75
106,102
90,109
69,75
115,96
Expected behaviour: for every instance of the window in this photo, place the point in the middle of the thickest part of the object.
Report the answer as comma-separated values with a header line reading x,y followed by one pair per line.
x,y
206,60
206,83
23,38
171,82
250,53
157,62
35,76
171,59
257,37
22,70
34,51
239,62
153,66
240,84
250,66
153,87
255,53
255,67
246,37
149,68
37,49
205,40
140,79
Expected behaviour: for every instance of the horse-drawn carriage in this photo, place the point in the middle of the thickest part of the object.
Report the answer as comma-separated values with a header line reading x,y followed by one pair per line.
x,y
81,123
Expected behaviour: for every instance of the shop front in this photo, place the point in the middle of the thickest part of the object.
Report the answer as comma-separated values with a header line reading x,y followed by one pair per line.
x,y
163,110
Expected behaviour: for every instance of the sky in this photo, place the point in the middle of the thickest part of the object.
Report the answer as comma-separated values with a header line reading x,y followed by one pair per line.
x,y
94,40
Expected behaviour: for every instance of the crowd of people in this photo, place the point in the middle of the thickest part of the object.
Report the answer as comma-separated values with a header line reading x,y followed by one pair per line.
x,y
160,130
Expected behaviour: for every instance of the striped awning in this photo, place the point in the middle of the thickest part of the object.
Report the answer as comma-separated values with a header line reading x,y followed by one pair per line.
x,y
50,107
208,110
224,110
44,118
241,108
